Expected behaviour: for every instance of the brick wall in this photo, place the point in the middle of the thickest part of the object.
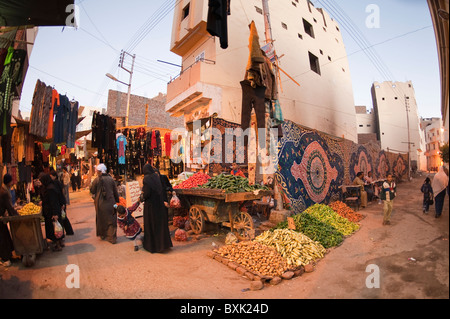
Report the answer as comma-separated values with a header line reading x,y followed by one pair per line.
x,y
157,116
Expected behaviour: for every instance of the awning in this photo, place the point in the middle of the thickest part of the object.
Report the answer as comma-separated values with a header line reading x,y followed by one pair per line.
x,y
37,13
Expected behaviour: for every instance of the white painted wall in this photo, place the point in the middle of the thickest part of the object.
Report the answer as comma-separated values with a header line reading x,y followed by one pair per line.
x,y
324,102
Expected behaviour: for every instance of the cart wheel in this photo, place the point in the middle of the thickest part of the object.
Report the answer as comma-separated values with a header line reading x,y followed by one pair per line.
x,y
243,226
28,260
197,220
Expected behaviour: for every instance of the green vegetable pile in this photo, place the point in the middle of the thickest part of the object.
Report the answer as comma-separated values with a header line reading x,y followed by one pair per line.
x,y
327,215
315,229
232,184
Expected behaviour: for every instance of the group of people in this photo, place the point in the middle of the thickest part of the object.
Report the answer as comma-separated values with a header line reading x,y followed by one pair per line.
x,y
369,190
109,215
434,192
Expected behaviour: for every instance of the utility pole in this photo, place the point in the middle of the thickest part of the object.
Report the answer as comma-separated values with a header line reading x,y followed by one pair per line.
x,y
122,58
409,137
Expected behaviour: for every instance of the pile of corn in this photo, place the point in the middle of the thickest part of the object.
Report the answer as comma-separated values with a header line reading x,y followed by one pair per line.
x,y
255,257
298,249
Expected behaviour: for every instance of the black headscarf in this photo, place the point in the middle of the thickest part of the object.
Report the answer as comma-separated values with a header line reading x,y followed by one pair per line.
x,y
148,169
46,180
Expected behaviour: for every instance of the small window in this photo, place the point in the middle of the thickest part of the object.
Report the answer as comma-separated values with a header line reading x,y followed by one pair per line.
x,y
382,98
321,52
294,4
360,125
337,28
308,28
368,125
314,63
396,98
324,29
284,25
315,20
343,70
259,10
186,11
329,58
300,36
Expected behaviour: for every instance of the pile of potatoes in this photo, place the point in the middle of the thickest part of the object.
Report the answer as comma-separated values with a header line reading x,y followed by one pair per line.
x,y
255,257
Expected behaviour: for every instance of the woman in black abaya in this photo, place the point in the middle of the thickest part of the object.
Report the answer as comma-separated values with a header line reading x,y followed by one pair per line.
x,y
156,220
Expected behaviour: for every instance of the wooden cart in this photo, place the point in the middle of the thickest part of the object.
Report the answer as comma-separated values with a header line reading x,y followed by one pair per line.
x,y
216,206
26,233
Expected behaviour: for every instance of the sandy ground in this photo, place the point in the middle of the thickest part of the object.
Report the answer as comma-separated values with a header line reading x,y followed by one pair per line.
x,y
117,271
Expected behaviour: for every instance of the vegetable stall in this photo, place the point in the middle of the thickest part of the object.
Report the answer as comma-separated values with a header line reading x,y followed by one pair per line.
x,y
217,199
26,233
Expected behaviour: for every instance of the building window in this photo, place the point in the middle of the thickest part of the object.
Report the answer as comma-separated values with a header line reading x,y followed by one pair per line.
x,y
185,11
315,20
324,29
396,98
360,125
321,52
337,28
284,25
308,28
300,36
314,63
382,98
259,10
294,4
329,58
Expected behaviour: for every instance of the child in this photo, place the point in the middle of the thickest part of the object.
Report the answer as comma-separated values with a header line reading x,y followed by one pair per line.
x,y
427,191
128,223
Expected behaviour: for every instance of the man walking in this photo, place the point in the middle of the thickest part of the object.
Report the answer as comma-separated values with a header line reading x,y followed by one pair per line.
x,y
388,193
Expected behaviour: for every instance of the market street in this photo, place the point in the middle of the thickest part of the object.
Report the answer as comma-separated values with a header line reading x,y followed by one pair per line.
x,y
412,255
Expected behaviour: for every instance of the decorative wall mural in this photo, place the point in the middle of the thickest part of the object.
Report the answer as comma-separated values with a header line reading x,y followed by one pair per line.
x,y
312,165
360,161
308,172
382,167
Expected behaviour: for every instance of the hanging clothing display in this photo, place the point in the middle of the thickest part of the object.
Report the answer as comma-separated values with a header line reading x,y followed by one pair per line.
x,y
72,124
217,20
121,146
54,103
10,79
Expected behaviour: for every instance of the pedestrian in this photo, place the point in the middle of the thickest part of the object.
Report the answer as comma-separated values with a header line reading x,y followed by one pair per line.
x,y
6,209
62,202
427,191
78,179
73,180
65,179
106,196
359,180
439,184
388,193
128,223
51,210
156,221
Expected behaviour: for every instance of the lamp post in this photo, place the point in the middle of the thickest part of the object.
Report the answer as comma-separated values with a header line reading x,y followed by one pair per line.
x,y
122,55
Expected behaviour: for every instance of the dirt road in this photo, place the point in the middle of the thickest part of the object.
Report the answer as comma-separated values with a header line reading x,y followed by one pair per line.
x,y
412,256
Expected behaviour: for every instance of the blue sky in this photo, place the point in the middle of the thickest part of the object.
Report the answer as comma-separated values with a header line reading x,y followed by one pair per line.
x,y
75,61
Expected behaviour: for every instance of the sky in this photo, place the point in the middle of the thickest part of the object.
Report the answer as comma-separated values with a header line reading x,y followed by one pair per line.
x,y
386,40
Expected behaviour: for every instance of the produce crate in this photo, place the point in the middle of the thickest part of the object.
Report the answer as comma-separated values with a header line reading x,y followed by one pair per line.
x,y
26,233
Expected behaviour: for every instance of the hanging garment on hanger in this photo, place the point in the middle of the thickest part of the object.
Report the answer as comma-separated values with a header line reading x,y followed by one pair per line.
x,y
54,104
10,79
217,24
72,124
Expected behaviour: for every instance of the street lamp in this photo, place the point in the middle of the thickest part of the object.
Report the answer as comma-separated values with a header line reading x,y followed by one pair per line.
x,y
122,55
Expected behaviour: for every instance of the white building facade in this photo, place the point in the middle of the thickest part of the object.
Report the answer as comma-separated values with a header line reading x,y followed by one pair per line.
x,y
434,138
398,121
311,50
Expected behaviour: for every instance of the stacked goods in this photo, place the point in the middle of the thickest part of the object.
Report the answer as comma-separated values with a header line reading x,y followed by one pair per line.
x,y
318,231
29,209
195,180
232,184
327,215
298,249
255,257
346,212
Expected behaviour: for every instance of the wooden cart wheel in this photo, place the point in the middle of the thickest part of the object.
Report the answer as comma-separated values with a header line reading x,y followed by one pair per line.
x,y
197,220
243,226
28,260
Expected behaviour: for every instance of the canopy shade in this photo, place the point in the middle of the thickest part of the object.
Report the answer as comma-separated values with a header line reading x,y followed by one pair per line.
x,y
37,13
